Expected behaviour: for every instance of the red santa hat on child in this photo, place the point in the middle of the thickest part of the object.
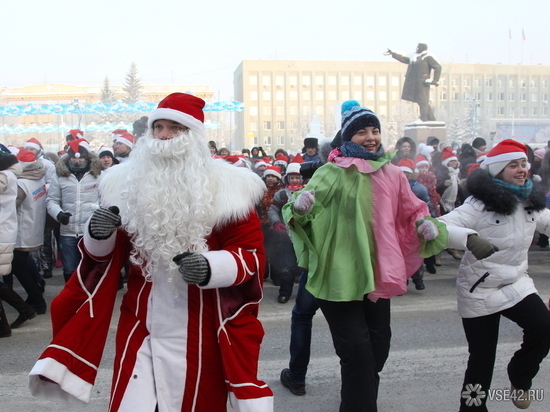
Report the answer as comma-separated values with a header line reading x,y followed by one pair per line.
x,y
293,168
407,165
447,155
281,160
260,163
421,160
33,144
182,108
79,148
273,171
122,136
502,154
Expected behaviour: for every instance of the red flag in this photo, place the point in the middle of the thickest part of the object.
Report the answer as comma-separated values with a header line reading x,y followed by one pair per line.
x,y
523,34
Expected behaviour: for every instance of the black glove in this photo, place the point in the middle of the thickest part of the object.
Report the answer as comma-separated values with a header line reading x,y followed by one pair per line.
x,y
63,217
480,247
104,222
194,268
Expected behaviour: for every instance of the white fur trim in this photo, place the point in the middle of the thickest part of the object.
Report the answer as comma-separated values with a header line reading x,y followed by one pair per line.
x,y
505,157
223,269
264,404
68,387
98,248
119,139
177,116
446,161
32,145
406,169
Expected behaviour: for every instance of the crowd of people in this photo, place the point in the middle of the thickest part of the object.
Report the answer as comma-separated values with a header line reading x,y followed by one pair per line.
x,y
195,231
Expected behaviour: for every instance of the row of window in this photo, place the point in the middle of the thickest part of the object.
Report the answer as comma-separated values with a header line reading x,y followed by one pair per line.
x,y
522,97
394,95
306,81
267,141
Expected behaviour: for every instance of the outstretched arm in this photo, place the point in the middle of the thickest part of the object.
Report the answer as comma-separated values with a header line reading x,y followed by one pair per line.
x,y
397,56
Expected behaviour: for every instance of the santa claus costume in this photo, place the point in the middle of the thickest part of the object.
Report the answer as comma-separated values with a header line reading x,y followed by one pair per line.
x,y
179,346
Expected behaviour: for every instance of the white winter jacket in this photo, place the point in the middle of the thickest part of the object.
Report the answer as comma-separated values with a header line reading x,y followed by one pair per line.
x,y
500,281
68,194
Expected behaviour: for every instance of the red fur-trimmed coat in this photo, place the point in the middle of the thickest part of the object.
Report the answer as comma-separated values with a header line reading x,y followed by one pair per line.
x,y
181,347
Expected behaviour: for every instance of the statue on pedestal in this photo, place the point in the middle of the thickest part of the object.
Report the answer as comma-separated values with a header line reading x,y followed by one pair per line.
x,y
423,72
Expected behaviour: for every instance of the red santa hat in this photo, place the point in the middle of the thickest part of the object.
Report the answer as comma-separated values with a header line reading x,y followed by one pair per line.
x,y
182,108
33,144
281,160
260,163
121,136
76,134
448,155
26,156
502,154
298,158
79,148
421,160
273,171
407,165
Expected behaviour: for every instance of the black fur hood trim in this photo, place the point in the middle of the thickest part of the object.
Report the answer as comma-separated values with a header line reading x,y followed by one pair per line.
x,y
496,199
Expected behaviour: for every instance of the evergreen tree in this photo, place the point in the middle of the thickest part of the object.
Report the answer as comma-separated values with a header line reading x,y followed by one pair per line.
x,y
132,85
107,93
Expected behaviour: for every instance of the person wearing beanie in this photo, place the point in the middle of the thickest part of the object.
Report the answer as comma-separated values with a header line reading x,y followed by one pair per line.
x,y
73,196
123,143
283,259
479,144
496,223
257,153
359,252
310,152
189,320
434,142
107,157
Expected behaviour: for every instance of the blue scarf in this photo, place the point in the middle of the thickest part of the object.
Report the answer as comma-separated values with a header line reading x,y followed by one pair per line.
x,y
350,149
522,192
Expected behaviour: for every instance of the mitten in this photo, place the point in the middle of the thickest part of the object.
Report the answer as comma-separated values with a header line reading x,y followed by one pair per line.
x,y
480,248
104,222
194,268
279,227
64,217
426,229
304,202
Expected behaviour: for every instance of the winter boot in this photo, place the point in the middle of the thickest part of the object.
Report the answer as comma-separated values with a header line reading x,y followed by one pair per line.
x,y
26,312
454,253
5,330
438,259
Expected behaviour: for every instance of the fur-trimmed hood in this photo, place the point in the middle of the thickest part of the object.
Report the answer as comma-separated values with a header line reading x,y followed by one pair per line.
x,y
481,186
62,167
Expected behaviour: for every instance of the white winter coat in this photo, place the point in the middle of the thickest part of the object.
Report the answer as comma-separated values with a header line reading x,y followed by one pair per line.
x,y
505,279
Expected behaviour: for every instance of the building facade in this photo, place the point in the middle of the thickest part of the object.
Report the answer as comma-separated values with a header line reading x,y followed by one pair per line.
x,y
491,100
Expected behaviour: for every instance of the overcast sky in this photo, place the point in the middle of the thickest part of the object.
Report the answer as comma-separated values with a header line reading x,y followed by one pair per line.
x,y
202,42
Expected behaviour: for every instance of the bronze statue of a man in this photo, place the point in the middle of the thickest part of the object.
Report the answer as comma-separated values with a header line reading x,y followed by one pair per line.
x,y
419,78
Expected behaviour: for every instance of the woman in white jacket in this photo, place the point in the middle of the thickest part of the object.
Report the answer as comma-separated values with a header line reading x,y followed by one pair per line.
x,y
496,225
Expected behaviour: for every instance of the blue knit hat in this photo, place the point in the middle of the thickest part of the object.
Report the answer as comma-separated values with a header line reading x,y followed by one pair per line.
x,y
348,105
356,119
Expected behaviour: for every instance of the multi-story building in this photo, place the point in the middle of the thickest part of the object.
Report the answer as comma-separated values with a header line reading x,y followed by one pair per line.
x,y
281,97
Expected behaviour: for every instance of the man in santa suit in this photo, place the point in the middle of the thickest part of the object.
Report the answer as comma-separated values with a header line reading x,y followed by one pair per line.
x,y
188,337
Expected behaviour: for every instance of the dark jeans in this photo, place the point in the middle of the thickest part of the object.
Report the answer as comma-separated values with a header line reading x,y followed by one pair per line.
x,y
20,269
532,315
361,336
303,311
70,255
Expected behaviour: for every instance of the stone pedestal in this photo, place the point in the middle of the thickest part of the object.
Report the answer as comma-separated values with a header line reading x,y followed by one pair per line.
x,y
419,131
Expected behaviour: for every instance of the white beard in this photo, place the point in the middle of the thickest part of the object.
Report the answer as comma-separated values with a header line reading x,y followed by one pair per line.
x,y
167,202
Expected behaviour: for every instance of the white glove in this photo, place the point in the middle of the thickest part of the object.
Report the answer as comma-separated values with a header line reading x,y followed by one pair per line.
x,y
304,202
426,229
